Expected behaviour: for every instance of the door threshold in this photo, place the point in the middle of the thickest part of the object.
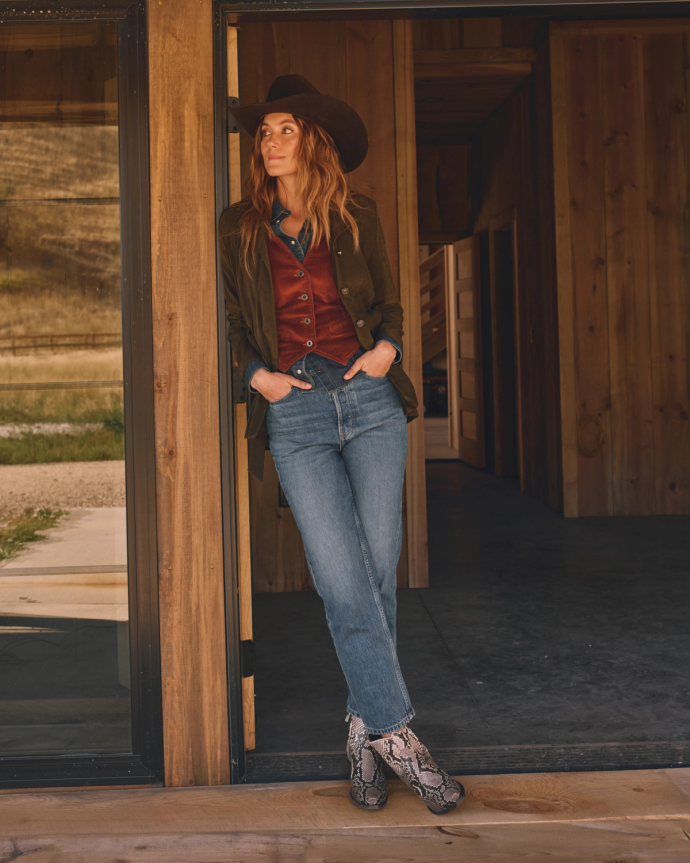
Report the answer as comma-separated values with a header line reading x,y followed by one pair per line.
x,y
482,760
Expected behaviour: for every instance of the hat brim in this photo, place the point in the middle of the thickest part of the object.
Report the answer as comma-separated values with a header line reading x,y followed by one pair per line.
x,y
341,121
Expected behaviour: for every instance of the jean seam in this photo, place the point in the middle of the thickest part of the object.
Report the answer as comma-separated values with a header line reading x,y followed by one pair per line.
x,y
377,600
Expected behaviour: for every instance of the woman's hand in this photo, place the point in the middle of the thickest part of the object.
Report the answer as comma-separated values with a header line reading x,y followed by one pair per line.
x,y
275,385
375,362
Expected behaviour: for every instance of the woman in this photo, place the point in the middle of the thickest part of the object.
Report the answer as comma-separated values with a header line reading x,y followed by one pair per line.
x,y
316,328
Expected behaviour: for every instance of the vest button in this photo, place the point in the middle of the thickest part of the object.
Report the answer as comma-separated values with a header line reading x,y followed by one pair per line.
x,y
304,297
307,320
309,344
300,274
345,291
360,323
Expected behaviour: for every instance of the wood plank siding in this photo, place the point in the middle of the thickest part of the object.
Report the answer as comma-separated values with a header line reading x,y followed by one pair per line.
x,y
621,189
511,166
190,534
369,64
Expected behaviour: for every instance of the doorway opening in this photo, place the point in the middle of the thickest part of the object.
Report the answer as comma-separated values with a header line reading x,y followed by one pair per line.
x,y
541,642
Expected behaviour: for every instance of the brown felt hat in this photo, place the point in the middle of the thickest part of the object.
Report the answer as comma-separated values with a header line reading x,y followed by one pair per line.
x,y
293,94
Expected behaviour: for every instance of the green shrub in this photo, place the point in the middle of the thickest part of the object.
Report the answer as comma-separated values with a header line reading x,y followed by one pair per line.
x,y
34,448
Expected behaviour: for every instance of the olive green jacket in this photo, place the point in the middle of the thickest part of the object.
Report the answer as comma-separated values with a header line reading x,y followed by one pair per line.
x,y
363,278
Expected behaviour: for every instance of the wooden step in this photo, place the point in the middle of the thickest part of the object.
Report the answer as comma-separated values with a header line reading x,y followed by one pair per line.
x,y
640,815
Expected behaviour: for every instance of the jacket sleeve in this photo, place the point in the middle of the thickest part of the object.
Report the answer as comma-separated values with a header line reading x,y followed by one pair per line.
x,y
244,347
385,295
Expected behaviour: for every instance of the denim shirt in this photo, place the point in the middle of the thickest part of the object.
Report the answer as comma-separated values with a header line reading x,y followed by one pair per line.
x,y
299,246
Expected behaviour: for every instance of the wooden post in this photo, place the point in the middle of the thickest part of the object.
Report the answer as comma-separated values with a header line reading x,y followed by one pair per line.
x,y
408,256
190,530
242,506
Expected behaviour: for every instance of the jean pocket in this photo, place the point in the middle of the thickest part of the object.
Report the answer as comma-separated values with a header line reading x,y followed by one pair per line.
x,y
282,400
366,374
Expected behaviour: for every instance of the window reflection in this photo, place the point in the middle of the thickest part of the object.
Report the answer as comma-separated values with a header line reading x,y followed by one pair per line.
x,y
64,640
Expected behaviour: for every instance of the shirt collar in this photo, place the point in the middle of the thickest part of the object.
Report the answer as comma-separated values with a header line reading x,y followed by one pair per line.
x,y
279,212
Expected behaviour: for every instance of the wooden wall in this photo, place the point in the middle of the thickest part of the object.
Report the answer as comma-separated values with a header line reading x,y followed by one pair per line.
x,y
619,93
190,534
510,165
362,63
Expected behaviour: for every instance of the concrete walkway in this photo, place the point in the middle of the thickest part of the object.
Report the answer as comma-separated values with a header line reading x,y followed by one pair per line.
x,y
78,571
85,537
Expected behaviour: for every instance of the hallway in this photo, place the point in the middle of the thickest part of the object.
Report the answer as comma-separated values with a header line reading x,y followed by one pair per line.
x,y
536,631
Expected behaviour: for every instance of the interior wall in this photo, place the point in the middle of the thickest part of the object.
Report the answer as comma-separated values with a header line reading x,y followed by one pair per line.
x,y
621,158
510,163
358,62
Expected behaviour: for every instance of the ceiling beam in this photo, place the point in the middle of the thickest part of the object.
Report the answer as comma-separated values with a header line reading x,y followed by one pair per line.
x,y
473,63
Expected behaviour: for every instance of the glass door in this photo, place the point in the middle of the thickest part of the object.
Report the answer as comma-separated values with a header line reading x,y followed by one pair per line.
x,y
65,683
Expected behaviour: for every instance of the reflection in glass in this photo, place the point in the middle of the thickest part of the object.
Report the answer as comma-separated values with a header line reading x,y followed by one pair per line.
x,y
64,633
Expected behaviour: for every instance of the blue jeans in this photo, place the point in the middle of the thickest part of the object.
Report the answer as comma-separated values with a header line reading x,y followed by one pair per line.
x,y
340,451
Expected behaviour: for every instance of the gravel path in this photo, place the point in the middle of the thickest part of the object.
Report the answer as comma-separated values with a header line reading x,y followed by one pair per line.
x,y
60,484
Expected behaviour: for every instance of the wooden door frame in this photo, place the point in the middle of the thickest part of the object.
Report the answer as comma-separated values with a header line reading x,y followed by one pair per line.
x,y
509,219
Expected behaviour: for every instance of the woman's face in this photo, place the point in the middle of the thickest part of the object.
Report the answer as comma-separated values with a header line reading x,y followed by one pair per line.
x,y
279,142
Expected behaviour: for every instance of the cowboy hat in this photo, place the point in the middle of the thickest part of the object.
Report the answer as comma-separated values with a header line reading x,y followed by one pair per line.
x,y
293,94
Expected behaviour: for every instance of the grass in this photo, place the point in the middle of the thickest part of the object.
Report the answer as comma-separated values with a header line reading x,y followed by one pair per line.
x,y
73,405
106,444
26,528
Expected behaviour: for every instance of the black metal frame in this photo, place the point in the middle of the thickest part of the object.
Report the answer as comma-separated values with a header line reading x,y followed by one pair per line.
x,y
296,10
227,440
327,765
145,765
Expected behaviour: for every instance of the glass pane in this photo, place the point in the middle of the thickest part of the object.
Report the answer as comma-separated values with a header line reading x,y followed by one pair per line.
x,y
64,632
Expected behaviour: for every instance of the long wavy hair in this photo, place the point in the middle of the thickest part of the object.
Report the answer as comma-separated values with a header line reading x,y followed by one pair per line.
x,y
321,185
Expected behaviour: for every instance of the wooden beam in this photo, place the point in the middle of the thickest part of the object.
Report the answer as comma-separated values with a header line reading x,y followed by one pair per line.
x,y
629,26
464,71
242,502
564,265
188,493
474,56
408,256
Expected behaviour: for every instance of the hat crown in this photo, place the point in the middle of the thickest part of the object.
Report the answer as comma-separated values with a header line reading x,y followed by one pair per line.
x,y
289,85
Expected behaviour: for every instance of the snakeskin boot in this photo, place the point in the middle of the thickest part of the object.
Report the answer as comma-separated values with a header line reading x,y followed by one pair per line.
x,y
410,759
368,782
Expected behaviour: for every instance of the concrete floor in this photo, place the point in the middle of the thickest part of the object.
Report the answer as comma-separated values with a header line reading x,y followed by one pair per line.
x,y
535,630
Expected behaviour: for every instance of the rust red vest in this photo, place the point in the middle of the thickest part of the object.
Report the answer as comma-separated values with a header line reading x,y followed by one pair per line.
x,y
310,315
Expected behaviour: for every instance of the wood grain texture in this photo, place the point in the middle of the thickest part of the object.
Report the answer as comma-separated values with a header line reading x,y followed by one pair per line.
x,y
668,227
474,56
511,167
482,32
566,296
627,257
544,340
190,536
370,89
466,353
587,248
637,815
408,248
622,198
637,840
